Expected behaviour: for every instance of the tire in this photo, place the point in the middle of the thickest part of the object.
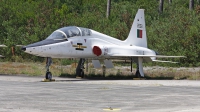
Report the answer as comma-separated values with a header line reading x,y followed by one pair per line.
x,y
137,74
82,73
48,75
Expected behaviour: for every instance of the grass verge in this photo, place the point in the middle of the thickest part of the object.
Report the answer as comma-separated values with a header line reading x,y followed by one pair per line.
x,y
119,72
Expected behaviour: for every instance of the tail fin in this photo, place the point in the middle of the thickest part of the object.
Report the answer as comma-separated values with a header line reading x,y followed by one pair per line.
x,y
137,35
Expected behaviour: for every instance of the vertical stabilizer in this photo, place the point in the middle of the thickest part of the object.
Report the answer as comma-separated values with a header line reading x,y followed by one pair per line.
x,y
137,34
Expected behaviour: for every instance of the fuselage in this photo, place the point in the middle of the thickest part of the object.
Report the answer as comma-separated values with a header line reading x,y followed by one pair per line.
x,y
93,45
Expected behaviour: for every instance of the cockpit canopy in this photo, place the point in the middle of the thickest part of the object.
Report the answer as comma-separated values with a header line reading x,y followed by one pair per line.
x,y
70,31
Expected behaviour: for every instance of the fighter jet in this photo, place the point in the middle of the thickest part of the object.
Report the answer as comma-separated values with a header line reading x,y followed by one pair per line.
x,y
84,43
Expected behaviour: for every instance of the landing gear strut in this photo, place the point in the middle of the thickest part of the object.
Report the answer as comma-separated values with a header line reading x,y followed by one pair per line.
x,y
137,74
139,71
80,68
48,64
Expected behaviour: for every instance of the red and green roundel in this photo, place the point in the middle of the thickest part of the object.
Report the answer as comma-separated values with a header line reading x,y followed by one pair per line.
x,y
139,33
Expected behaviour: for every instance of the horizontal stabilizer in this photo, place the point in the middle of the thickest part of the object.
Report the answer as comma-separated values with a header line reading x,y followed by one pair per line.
x,y
164,61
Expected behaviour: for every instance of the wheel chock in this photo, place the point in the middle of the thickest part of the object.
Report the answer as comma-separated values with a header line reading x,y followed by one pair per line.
x,y
48,80
111,109
139,78
78,77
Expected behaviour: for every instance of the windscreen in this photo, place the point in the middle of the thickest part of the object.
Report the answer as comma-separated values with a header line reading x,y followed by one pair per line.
x,y
57,35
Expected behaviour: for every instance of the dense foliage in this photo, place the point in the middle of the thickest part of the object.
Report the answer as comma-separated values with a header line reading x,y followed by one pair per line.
x,y
174,32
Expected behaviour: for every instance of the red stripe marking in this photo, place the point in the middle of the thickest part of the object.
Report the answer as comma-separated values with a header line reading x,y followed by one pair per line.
x,y
140,33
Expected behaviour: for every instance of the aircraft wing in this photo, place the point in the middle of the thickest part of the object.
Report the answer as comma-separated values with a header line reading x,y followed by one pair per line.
x,y
157,56
147,58
163,56
164,61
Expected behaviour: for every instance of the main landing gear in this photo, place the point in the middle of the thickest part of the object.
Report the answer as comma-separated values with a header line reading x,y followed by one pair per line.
x,y
48,75
137,74
80,68
139,70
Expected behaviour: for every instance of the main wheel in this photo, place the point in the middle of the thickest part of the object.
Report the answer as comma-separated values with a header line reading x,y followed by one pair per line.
x,y
48,75
137,74
82,73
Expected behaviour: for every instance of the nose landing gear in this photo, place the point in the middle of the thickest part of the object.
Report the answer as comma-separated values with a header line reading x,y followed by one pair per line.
x,y
80,68
48,76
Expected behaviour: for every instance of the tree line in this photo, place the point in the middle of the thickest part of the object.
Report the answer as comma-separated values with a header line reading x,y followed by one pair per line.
x,y
174,31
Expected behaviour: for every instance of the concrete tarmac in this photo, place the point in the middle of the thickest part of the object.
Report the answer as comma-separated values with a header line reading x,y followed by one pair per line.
x,y
29,94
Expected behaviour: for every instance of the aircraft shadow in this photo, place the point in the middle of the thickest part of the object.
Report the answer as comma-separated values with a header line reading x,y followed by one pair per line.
x,y
120,78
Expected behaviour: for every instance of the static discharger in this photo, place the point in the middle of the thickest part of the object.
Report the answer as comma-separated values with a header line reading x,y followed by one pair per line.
x,y
47,80
111,109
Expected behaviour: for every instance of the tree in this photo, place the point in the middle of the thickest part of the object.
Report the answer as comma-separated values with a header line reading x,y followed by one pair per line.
x,y
108,8
198,1
161,6
170,1
191,4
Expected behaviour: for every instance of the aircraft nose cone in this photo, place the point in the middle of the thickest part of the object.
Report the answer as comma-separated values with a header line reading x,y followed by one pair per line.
x,y
23,48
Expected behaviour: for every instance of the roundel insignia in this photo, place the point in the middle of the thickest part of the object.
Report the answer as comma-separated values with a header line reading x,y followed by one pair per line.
x,y
97,51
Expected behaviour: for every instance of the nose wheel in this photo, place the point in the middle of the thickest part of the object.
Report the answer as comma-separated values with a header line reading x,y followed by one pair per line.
x,y
48,75
82,73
